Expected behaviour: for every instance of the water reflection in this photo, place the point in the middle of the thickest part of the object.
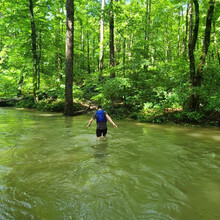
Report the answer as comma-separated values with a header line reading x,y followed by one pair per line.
x,y
68,122
100,150
68,126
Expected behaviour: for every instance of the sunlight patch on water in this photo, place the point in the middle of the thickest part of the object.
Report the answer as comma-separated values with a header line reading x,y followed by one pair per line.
x,y
195,134
50,115
216,138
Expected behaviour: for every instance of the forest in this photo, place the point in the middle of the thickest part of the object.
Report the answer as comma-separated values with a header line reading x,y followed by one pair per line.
x,y
154,61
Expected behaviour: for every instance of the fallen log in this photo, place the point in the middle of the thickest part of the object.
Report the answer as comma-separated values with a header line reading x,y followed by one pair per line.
x,y
82,112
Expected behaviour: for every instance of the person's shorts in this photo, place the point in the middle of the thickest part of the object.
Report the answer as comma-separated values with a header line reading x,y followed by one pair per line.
x,y
99,133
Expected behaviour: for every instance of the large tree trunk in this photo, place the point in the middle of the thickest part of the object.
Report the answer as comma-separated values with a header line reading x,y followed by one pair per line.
x,y
68,110
216,44
196,79
34,48
101,57
205,46
193,34
111,40
147,27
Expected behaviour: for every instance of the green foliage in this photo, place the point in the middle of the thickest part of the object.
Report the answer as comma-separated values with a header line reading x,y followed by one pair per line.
x,y
151,75
77,92
48,93
147,106
8,83
118,111
47,104
179,117
114,89
27,102
91,86
210,90
51,105
100,98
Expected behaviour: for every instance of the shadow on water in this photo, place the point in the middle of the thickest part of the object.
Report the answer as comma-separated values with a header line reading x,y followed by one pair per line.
x,y
100,150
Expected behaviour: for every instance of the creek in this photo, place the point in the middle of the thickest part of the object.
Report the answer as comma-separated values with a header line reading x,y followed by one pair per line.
x,y
52,167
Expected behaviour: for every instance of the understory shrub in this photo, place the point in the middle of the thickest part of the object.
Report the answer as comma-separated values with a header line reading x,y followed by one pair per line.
x,y
53,106
27,102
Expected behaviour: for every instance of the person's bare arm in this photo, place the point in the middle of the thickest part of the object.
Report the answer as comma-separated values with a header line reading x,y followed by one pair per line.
x,y
90,122
109,118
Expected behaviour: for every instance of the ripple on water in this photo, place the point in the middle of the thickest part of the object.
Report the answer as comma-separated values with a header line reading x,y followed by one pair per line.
x,y
53,168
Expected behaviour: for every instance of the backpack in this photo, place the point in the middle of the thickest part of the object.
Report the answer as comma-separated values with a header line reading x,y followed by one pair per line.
x,y
101,116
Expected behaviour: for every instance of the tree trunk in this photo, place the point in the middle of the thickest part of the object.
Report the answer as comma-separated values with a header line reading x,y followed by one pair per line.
x,y
82,49
178,36
20,84
101,57
1,42
147,27
59,59
193,34
167,42
94,56
186,33
68,110
124,47
39,61
130,46
34,48
111,40
196,80
216,44
205,46
115,49
98,61
88,53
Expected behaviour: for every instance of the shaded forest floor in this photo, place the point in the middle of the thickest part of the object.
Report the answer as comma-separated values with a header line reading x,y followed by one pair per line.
x,y
119,111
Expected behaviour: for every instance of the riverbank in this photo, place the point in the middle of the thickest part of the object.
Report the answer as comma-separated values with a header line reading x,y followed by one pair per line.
x,y
182,117
50,104
119,111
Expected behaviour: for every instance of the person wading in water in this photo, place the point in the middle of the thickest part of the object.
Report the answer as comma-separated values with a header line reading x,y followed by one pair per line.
x,y
101,120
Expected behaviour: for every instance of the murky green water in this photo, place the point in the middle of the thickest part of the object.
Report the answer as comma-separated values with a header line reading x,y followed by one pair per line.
x,y
52,167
